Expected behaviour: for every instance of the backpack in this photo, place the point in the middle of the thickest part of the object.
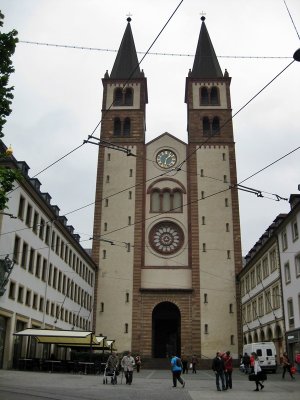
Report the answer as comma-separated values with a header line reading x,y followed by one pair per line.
x,y
178,362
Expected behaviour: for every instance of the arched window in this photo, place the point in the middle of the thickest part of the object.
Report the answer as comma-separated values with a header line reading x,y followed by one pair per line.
x,y
206,126
214,96
128,97
155,201
216,126
117,127
204,96
177,201
126,127
166,201
118,97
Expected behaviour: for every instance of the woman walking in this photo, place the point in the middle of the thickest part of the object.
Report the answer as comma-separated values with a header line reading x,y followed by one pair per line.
x,y
286,366
257,372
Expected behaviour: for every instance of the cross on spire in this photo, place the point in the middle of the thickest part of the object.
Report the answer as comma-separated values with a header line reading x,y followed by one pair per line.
x,y
202,15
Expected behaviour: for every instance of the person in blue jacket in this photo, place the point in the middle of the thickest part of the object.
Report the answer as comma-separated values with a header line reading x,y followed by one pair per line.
x,y
176,368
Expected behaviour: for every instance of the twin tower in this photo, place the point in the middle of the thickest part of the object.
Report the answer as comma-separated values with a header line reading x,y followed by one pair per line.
x,y
166,225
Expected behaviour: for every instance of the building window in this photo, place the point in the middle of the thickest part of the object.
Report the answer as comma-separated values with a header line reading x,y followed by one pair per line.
x,y
297,265
204,247
35,222
105,226
260,306
28,298
129,220
118,97
104,254
247,283
38,265
42,229
268,307
258,273
205,298
230,308
228,254
290,309
21,208
12,290
106,203
226,203
47,236
129,195
28,215
24,255
127,297
126,328
107,178
17,249
20,294
252,279
215,127
232,339
206,126
223,156
206,329
265,267
284,240
295,231
108,157
41,304
204,99
273,263
126,127
227,227
276,297
203,220
254,310
287,273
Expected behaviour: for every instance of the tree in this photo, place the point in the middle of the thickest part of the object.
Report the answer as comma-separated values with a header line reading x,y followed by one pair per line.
x,y
8,43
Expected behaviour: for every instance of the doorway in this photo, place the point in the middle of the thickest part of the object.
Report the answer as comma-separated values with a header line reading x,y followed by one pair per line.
x,y
166,328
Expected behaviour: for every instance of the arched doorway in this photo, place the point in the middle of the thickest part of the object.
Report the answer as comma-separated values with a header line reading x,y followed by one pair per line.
x,y
166,327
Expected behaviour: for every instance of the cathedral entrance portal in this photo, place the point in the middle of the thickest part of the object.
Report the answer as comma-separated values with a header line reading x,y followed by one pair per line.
x,y
166,327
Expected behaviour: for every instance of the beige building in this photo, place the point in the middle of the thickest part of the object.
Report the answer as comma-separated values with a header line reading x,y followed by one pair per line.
x,y
166,227
51,283
261,293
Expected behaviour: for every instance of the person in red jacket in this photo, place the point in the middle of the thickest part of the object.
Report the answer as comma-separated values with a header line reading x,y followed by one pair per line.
x,y
228,369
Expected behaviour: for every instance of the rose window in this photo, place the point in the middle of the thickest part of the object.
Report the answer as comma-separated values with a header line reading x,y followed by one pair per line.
x,y
166,238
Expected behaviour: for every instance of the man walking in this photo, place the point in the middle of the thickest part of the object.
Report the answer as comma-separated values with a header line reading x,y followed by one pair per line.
x,y
127,364
176,368
219,367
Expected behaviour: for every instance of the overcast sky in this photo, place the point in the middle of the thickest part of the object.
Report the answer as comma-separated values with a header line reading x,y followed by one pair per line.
x,y
58,91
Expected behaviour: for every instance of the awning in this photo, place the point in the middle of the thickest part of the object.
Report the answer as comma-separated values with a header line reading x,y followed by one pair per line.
x,y
62,337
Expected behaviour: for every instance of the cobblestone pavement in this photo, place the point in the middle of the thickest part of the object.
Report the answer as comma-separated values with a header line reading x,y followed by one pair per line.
x,y
148,384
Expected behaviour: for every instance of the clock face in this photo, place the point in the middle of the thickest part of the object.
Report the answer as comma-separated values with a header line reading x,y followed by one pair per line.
x,y
166,159
166,238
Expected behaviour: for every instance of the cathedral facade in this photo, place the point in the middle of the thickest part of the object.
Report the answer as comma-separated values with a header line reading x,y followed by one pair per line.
x,y
166,226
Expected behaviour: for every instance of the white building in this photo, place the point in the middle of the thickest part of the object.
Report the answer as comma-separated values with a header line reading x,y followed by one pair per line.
x,y
261,296
51,284
289,247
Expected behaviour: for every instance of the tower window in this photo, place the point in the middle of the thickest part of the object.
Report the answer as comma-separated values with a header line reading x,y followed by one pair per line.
x,y
205,298
203,247
130,173
126,328
130,195
203,220
228,254
118,97
127,298
227,227
117,127
214,96
226,203
223,156
104,254
201,172
129,220
106,202
206,126
126,127
231,308
232,339
128,97
216,126
206,328
225,178
101,307
204,97
105,226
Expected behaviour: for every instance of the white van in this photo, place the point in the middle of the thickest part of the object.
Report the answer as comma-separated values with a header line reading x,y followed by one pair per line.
x,y
266,352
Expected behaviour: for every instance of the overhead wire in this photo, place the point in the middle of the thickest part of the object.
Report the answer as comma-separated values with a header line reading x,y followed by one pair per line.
x,y
143,52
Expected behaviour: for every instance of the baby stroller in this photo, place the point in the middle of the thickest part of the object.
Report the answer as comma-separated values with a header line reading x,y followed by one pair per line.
x,y
112,373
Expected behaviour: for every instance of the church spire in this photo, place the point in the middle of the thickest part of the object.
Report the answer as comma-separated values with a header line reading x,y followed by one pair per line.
x,y
206,64
126,63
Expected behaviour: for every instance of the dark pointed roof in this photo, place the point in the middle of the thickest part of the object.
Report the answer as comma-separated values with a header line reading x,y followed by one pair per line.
x,y
206,64
126,63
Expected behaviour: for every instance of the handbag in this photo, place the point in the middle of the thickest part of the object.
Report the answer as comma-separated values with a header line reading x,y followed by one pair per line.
x,y
293,370
191,365
261,376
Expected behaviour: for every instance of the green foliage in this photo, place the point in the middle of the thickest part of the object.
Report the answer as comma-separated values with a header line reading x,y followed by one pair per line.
x,y
8,43
7,178
7,48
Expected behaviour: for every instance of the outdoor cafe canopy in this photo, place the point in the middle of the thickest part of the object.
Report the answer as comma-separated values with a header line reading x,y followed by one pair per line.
x,y
65,338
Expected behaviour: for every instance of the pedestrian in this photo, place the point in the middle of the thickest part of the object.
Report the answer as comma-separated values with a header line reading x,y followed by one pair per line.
x,y
138,363
176,368
257,372
286,366
184,360
246,362
218,367
127,364
194,363
228,369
